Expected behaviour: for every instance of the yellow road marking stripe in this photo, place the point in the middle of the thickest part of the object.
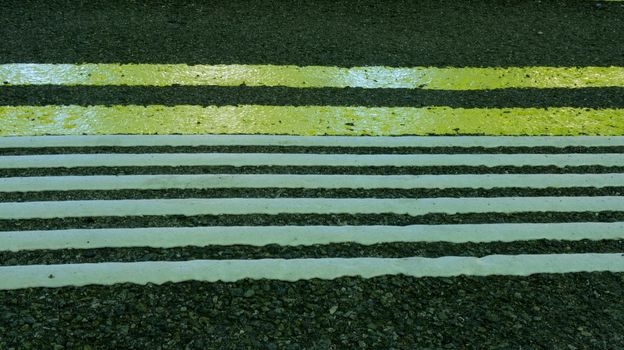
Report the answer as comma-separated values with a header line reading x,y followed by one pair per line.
x,y
437,78
307,120
308,141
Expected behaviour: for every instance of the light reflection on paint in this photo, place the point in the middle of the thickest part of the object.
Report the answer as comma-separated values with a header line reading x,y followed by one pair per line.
x,y
307,120
449,78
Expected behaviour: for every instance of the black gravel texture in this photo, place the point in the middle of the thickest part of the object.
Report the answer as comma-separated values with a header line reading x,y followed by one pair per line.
x,y
566,311
334,250
322,32
309,170
312,150
306,219
307,193
611,97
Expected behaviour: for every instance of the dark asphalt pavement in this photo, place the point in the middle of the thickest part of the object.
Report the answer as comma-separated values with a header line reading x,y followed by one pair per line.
x,y
346,33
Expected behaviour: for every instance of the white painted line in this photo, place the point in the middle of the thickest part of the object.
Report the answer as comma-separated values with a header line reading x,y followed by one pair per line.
x,y
159,272
289,159
155,182
170,237
310,141
239,206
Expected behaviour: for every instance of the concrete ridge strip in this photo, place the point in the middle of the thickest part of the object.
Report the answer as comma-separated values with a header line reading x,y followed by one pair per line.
x,y
225,181
295,159
274,206
171,237
159,272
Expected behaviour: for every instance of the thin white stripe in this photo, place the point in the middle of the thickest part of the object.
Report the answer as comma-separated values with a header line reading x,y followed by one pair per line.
x,y
289,159
158,272
321,141
169,237
68,183
238,206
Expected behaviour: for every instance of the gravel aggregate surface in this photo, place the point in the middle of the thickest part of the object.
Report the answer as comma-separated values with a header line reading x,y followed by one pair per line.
x,y
611,97
336,250
400,33
307,193
567,311
381,170
313,150
305,219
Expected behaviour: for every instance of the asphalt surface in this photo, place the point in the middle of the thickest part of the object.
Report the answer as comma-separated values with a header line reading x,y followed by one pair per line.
x,y
540,311
325,32
564,311
343,250
281,96
308,193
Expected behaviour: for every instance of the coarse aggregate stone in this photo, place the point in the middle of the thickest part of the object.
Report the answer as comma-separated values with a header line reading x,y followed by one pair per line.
x,y
307,193
42,95
335,250
310,149
565,311
400,33
306,219
338,170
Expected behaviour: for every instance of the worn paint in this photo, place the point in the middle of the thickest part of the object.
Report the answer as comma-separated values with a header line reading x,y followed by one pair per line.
x,y
307,141
307,120
439,78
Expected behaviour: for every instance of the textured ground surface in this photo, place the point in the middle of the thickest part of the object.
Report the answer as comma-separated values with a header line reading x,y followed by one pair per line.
x,y
571,311
349,33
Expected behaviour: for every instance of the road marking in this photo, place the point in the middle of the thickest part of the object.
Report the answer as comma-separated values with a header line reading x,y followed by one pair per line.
x,y
158,182
171,237
298,159
442,78
308,141
14,277
308,120
273,206
159,272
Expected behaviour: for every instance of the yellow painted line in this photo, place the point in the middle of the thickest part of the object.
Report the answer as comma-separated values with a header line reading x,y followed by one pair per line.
x,y
307,120
437,78
307,141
